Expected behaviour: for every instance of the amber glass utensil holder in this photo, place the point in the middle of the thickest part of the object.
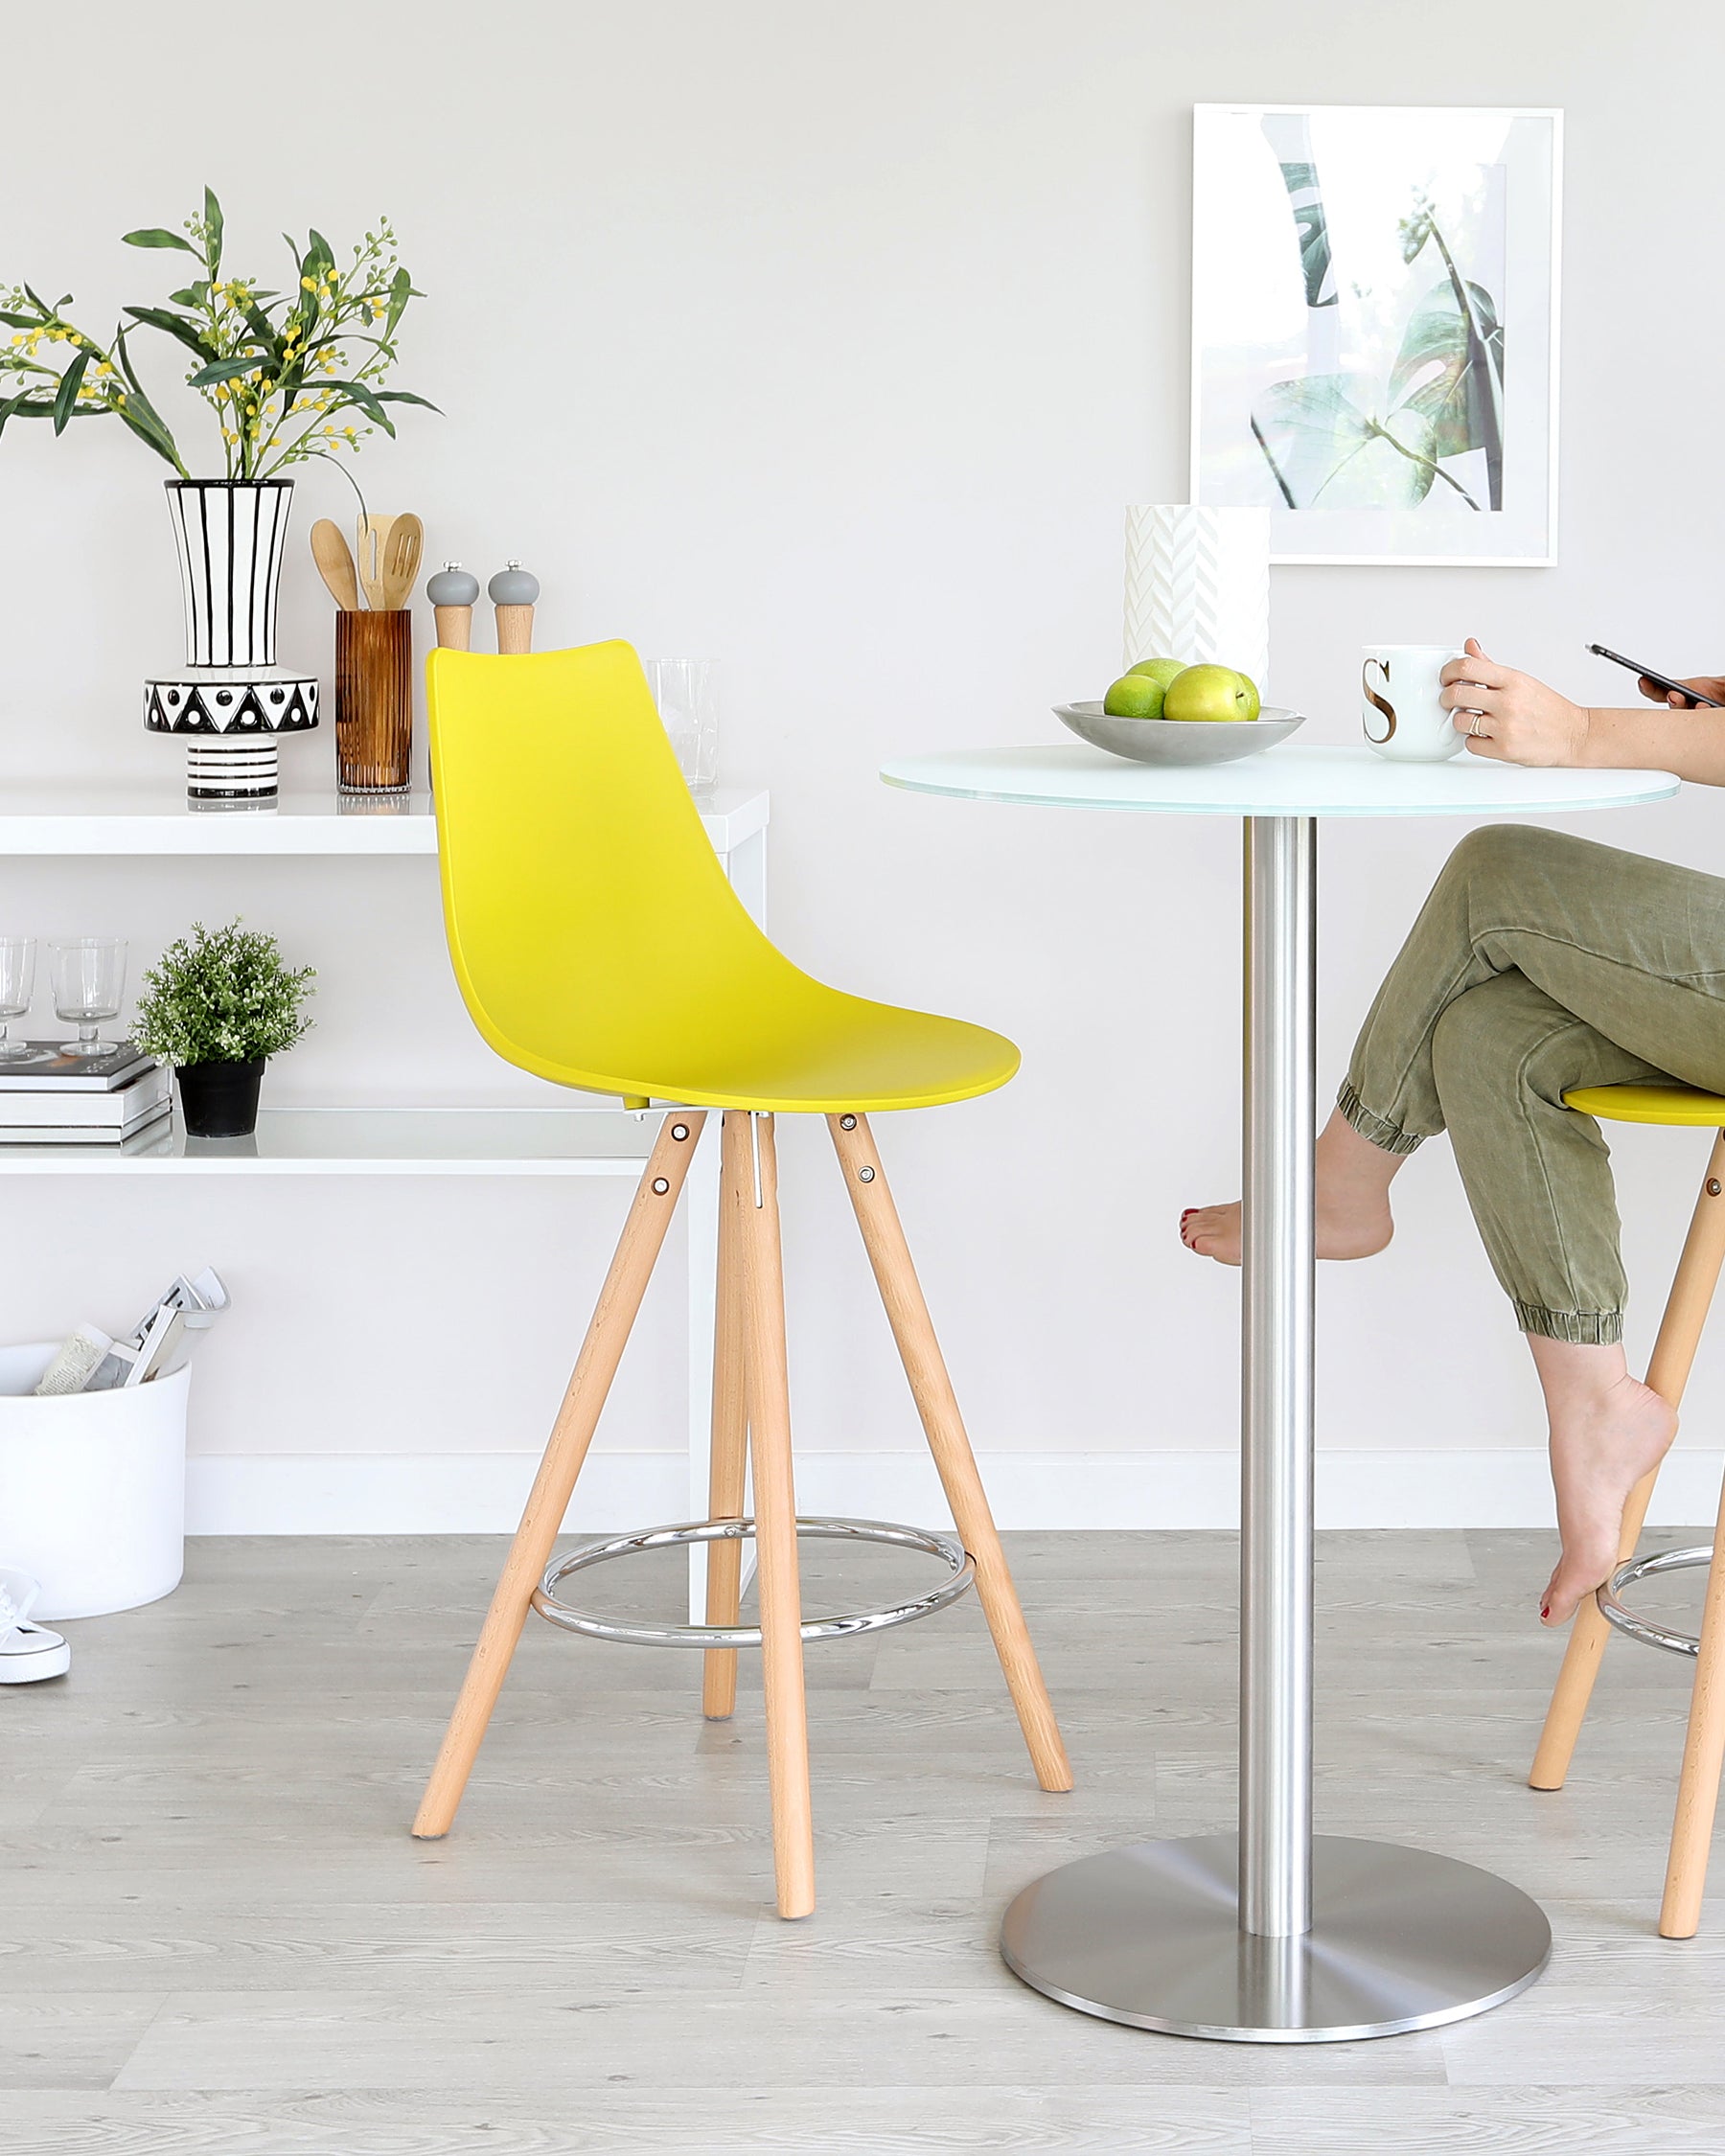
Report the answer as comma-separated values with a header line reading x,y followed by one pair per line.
x,y
374,701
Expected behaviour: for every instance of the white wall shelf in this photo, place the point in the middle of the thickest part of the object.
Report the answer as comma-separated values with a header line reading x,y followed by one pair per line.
x,y
588,1137
155,820
374,1142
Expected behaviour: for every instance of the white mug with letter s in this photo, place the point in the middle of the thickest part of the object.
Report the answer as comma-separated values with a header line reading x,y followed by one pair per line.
x,y
1400,689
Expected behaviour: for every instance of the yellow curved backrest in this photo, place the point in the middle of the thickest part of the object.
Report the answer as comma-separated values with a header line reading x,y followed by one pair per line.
x,y
595,934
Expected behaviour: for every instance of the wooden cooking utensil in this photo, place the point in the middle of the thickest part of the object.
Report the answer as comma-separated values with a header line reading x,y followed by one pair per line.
x,y
400,557
371,536
336,564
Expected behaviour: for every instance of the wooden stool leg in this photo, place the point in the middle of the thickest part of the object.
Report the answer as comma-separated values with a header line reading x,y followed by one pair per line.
x,y
727,1474
1680,1329
890,1254
1703,1758
756,1205
625,1284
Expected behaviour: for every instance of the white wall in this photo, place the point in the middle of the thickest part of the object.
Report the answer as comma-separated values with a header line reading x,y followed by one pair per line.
x,y
832,341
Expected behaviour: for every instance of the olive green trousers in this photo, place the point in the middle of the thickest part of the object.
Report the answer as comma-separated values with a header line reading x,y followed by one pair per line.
x,y
1538,963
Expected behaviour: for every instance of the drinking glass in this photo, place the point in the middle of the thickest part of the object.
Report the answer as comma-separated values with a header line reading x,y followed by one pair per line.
x,y
374,701
89,981
18,980
686,691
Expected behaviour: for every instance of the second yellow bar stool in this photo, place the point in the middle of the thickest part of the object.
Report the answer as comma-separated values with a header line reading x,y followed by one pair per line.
x,y
1680,1330
598,944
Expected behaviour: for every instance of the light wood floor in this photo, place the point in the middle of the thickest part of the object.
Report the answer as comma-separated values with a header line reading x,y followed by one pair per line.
x,y
217,1936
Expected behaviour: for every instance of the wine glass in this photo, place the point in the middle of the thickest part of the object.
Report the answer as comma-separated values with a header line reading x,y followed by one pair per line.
x,y
686,692
17,981
89,981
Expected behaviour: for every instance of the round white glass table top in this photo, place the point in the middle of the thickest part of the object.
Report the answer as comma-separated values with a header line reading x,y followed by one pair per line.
x,y
1293,780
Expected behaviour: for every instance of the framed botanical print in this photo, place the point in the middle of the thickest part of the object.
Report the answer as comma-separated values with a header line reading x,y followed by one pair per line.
x,y
1374,329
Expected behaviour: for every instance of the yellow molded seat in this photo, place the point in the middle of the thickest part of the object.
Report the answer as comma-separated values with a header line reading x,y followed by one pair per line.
x,y
1650,1101
593,932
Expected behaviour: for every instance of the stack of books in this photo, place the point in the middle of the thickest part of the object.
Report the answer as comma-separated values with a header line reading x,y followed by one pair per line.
x,y
62,1098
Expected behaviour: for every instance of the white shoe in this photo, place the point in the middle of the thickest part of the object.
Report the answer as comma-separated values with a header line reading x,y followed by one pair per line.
x,y
28,1652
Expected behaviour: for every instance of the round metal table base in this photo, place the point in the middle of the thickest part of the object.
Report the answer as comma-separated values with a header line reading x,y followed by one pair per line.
x,y
1400,1939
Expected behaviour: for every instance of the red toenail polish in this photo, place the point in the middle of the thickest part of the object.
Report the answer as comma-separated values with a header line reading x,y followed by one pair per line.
x,y
1546,1611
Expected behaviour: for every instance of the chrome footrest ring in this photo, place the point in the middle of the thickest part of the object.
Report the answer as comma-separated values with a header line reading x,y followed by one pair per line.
x,y
947,1547
1644,1628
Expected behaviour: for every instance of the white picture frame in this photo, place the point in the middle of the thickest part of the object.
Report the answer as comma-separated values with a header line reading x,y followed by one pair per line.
x,y
1375,330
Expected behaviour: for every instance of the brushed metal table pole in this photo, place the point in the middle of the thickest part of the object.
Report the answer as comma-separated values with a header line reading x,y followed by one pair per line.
x,y
1277,1334
1269,1936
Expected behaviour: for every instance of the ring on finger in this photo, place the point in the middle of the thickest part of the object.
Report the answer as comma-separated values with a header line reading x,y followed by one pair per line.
x,y
1473,731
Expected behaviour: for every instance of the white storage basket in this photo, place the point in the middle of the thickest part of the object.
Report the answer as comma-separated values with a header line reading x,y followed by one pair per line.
x,y
92,1488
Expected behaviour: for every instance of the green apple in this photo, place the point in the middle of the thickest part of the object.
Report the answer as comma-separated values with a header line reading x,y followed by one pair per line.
x,y
1163,669
1134,696
1210,693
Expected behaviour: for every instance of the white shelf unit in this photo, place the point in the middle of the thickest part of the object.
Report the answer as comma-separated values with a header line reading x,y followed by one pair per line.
x,y
590,1137
155,820
374,1142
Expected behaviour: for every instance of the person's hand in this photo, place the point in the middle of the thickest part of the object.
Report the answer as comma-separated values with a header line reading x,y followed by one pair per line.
x,y
1705,684
1511,716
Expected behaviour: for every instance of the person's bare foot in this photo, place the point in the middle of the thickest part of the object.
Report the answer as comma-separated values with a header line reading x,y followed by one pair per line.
x,y
1352,1179
1342,1232
1605,1438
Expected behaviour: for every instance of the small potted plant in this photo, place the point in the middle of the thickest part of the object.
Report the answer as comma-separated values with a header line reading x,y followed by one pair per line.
x,y
219,1003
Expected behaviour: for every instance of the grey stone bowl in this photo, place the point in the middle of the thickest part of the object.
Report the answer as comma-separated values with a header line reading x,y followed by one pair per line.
x,y
1179,741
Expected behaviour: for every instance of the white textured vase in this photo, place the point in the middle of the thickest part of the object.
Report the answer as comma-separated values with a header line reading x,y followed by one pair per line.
x,y
1198,587
230,534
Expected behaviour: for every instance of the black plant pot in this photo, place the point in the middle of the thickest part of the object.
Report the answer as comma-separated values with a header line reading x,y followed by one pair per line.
x,y
220,1099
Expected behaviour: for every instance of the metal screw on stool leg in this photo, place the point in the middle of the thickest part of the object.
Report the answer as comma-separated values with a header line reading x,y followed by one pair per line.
x,y
847,1122
866,1175
680,1131
659,1186
1714,1186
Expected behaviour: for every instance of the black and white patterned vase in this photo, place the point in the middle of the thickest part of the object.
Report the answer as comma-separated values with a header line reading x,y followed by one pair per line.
x,y
231,717
230,535
227,701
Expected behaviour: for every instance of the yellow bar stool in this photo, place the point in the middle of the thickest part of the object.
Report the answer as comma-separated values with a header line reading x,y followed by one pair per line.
x,y
1680,1331
598,944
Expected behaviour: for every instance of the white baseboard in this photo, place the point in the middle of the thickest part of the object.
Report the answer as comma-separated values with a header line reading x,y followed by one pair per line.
x,y
481,1493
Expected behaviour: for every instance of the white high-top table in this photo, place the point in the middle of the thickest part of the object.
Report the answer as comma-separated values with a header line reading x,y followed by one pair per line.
x,y
1273,1934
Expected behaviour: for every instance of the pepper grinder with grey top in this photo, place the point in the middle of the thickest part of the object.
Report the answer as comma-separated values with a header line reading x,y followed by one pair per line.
x,y
453,592
513,591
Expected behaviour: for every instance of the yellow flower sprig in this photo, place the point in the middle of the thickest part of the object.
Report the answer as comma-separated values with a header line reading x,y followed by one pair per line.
x,y
82,378
278,369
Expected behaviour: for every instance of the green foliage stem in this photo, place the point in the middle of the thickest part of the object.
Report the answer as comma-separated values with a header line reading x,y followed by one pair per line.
x,y
278,369
1335,440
